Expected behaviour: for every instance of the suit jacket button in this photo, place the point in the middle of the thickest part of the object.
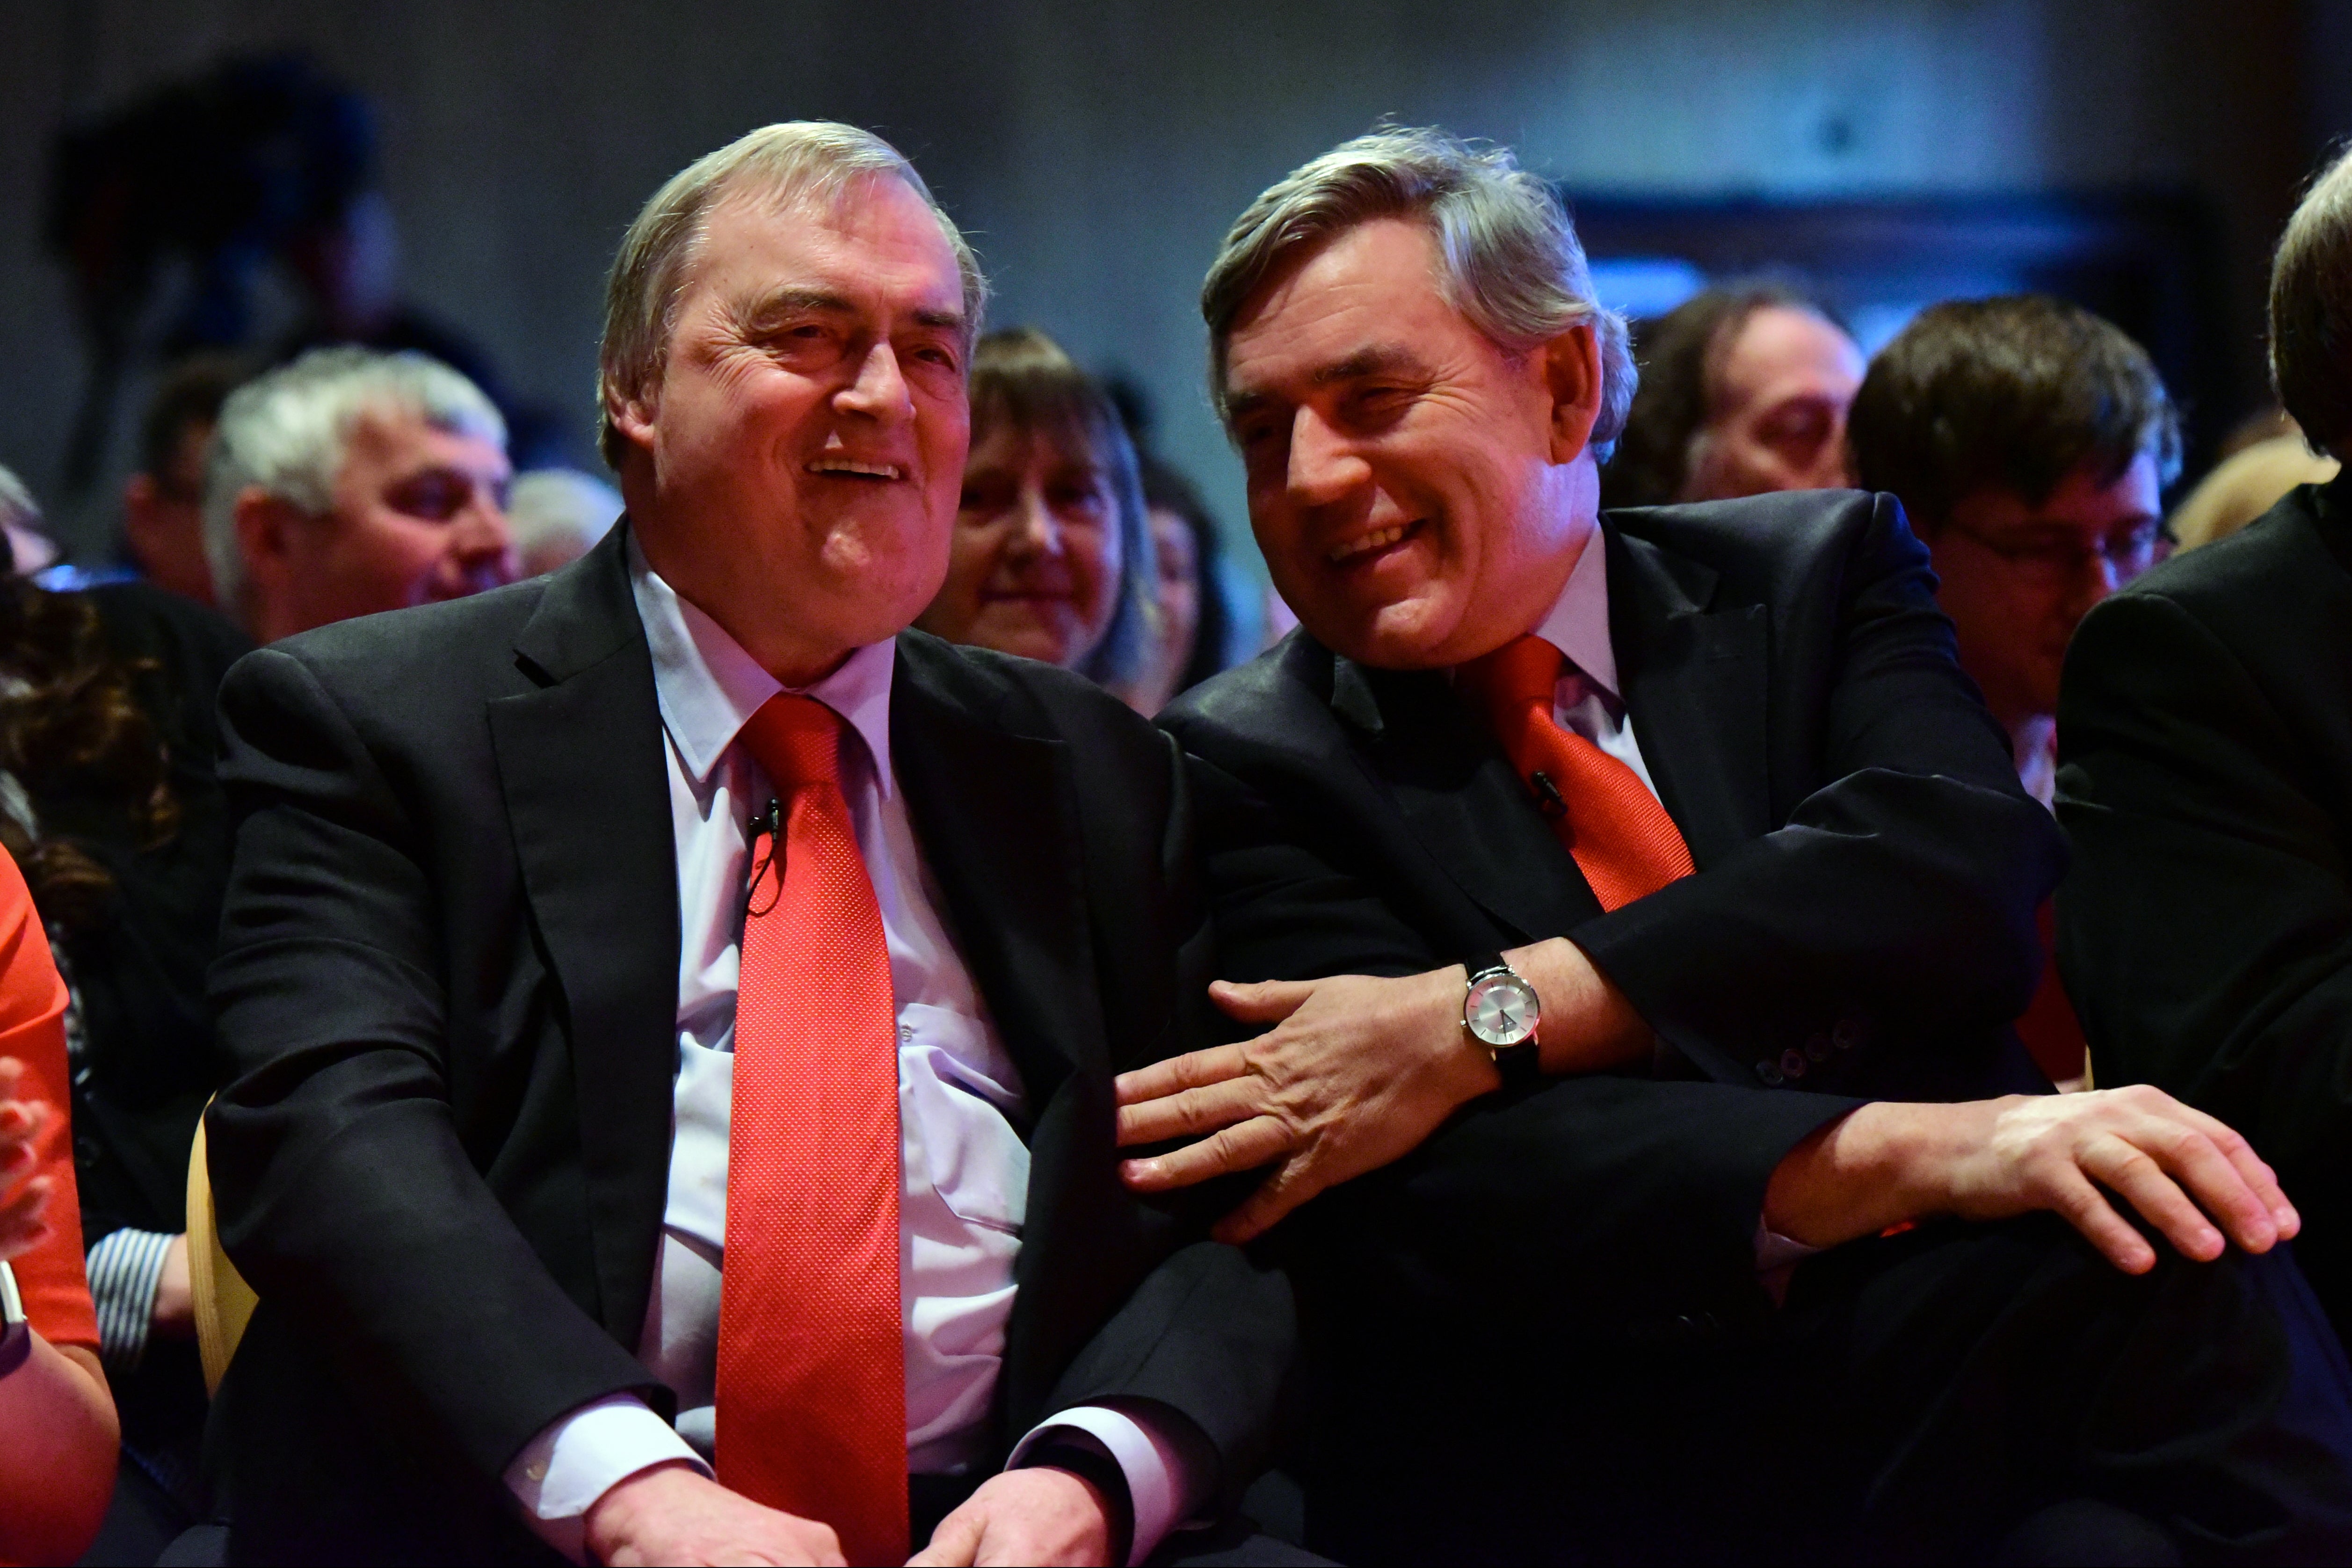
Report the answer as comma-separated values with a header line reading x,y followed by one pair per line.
x,y
1817,1048
1851,1032
1770,1073
1793,1063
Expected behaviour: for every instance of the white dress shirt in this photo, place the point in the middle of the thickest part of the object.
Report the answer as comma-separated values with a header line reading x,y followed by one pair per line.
x,y
965,1166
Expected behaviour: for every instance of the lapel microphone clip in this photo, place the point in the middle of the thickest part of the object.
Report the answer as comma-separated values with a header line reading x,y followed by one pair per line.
x,y
1548,796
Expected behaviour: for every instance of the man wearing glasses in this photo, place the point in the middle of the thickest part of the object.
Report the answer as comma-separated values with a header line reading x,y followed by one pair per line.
x,y
2030,443
351,482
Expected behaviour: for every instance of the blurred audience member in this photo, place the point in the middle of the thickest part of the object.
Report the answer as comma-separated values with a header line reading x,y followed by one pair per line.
x,y
2030,443
1195,619
57,1427
2205,743
2248,481
1744,390
557,514
350,482
164,500
29,548
1052,557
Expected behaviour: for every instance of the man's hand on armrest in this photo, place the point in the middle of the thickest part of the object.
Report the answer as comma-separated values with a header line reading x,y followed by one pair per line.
x,y
674,1513
1353,1073
1993,1159
1040,1514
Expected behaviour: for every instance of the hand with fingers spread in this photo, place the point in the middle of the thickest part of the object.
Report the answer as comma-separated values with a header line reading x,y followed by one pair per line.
x,y
1354,1071
2194,1179
23,1196
1039,1515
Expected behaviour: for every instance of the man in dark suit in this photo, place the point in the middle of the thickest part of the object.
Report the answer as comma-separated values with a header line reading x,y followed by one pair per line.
x,y
676,1010
1609,884
2205,743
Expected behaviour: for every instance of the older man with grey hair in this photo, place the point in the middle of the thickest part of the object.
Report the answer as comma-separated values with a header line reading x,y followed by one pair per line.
x,y
674,1007
2205,773
1617,895
350,482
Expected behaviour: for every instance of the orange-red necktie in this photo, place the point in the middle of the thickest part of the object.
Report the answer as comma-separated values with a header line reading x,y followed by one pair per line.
x,y
812,1372
1622,838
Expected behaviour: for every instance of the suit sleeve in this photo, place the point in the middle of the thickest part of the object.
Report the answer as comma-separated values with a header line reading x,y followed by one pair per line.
x,y
2205,932
345,1192
1898,897
1626,1197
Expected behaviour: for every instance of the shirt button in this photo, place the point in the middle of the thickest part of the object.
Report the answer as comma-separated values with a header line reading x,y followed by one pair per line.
x,y
1817,1048
1851,1032
536,1472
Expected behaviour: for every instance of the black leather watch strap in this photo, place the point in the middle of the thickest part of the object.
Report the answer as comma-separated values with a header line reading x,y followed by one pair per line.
x,y
1477,967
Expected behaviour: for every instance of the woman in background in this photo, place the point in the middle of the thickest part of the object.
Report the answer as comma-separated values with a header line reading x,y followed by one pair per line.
x,y
1195,622
1052,557
57,1427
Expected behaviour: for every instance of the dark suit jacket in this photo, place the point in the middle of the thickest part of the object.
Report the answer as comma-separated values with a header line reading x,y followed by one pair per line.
x,y
1861,924
2205,932
449,979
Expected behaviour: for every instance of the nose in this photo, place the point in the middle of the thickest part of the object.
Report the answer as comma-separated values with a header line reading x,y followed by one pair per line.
x,y
1037,531
481,545
1322,467
880,391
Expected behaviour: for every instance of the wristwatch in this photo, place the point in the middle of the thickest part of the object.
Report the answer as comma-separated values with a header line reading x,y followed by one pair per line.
x,y
1500,1012
16,1333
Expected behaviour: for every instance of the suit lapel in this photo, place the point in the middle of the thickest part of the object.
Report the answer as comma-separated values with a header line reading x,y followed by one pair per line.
x,y
1425,749
997,816
1694,681
580,761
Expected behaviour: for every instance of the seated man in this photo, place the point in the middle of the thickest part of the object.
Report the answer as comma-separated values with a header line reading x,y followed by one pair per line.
x,y
676,1007
163,498
2205,753
2030,443
350,482
1728,845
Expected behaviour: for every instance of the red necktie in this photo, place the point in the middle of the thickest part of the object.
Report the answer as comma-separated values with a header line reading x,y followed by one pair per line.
x,y
812,1372
1622,838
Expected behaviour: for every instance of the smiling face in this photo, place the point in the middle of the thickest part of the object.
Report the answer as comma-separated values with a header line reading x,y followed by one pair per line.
x,y
794,470
1034,566
1778,407
1420,494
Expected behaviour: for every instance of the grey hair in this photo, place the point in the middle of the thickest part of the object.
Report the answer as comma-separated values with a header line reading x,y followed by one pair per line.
x,y
796,161
1509,258
17,503
2311,311
287,433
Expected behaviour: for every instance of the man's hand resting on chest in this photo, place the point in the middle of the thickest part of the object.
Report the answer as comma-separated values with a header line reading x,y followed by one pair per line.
x,y
1353,1073
676,1514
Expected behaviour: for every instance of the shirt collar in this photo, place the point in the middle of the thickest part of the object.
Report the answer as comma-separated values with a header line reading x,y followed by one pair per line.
x,y
708,687
1577,624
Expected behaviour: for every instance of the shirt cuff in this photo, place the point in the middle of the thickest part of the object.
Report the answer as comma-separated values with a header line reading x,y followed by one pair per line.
x,y
1162,1487
578,1458
1774,1250
125,1267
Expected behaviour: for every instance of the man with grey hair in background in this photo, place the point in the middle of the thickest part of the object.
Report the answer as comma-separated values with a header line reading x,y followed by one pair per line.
x,y
2205,773
676,1006
350,482
1617,896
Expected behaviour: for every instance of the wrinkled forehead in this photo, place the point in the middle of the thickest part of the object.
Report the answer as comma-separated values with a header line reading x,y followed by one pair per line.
x,y
1366,299
386,436
820,217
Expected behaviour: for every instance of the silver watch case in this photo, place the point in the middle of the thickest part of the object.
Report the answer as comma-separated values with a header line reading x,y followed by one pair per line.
x,y
1500,1010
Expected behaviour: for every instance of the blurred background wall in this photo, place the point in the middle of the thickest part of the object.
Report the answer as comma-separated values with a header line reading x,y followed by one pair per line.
x,y
1099,148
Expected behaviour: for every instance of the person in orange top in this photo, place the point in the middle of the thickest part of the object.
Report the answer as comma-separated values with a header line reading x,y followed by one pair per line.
x,y
57,1426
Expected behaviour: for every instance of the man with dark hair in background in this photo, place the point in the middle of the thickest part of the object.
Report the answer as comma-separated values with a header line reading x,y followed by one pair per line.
x,y
2030,443
2205,774
1744,390
164,499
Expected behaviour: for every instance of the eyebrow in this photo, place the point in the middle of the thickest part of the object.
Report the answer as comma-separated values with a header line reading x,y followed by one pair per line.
x,y
822,302
1379,360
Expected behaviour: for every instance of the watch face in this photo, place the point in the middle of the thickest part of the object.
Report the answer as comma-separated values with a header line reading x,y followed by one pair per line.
x,y
1501,1011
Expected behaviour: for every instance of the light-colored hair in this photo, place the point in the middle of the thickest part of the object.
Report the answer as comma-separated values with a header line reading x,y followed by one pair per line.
x,y
2311,310
17,503
799,161
288,433
1509,256
559,512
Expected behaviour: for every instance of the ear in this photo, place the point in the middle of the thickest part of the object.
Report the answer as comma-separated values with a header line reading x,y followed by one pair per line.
x,y
634,414
266,536
1571,373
